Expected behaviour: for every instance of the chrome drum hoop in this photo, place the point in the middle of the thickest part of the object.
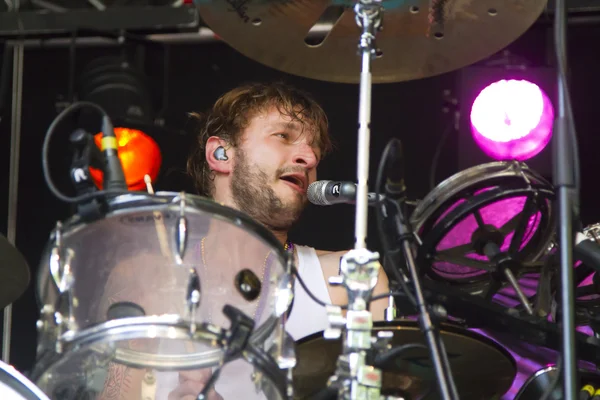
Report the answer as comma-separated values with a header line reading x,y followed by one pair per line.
x,y
90,358
449,205
15,386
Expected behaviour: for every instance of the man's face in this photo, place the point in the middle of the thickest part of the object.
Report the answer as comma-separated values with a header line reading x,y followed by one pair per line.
x,y
274,164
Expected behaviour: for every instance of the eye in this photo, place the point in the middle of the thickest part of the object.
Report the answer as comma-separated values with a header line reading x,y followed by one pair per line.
x,y
282,135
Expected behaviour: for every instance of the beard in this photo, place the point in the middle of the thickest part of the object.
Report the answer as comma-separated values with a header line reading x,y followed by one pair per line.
x,y
254,196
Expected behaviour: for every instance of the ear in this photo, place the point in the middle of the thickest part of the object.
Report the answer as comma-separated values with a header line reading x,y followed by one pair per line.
x,y
220,166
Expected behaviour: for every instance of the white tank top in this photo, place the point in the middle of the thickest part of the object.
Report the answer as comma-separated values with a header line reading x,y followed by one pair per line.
x,y
306,318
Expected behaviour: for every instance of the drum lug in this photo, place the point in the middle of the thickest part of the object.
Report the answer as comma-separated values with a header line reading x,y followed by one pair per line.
x,y
64,314
193,297
283,349
285,291
59,318
47,332
60,268
181,232
52,324
257,379
60,262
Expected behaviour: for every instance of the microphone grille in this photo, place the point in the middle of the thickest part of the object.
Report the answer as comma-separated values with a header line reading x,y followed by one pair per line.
x,y
316,194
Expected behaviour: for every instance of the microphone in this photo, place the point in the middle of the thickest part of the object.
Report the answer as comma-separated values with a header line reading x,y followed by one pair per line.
x,y
326,193
395,189
114,178
587,251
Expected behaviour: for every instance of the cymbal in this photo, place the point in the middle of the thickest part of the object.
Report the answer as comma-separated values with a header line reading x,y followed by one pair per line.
x,y
14,273
481,368
417,40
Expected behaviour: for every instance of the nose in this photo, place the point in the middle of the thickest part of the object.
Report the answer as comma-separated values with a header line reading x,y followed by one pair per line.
x,y
305,156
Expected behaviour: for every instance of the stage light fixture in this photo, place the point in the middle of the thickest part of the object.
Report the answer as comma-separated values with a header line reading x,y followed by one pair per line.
x,y
139,155
512,119
506,113
122,91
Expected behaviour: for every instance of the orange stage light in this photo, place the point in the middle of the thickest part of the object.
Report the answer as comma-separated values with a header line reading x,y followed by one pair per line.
x,y
139,155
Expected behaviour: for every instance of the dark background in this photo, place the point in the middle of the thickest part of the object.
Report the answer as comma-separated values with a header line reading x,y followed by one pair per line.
x,y
199,73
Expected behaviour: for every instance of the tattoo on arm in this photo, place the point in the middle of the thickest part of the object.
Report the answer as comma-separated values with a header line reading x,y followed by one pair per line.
x,y
118,382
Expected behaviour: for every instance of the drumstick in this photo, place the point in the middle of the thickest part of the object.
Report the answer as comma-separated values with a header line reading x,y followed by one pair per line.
x,y
162,237
148,182
161,230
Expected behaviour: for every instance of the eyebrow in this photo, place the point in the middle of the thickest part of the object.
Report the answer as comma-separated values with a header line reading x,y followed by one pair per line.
x,y
293,125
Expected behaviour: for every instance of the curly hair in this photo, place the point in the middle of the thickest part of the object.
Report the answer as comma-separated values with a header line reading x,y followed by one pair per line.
x,y
233,112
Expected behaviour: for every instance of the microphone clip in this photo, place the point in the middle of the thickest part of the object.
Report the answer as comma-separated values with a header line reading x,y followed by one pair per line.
x,y
85,155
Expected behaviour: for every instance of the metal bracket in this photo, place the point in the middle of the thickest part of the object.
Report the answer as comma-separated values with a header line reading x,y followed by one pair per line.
x,y
193,297
181,231
359,272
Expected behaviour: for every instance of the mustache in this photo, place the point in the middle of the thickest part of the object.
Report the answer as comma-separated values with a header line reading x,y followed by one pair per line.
x,y
292,170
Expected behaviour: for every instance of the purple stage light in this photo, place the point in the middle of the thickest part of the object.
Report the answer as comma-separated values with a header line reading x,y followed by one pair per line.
x,y
512,120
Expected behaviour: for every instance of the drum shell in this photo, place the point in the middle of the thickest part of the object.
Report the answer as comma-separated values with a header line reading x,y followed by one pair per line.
x,y
131,257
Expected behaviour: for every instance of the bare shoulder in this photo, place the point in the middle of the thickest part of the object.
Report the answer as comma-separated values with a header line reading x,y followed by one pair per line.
x,y
335,253
323,252
330,260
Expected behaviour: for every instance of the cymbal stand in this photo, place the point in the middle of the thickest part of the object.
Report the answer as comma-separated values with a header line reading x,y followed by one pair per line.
x,y
18,49
566,185
359,268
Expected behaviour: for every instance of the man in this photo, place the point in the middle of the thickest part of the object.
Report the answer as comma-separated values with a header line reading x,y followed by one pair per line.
x,y
257,151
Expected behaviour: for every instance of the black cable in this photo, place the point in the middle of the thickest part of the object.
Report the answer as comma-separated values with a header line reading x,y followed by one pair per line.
x,y
260,358
5,79
165,93
437,154
46,165
308,292
214,377
446,370
383,358
574,145
324,304
379,221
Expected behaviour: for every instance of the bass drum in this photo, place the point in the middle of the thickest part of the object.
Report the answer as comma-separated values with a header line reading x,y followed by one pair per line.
x,y
14,386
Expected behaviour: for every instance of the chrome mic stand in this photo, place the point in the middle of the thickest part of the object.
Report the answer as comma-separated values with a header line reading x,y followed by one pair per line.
x,y
565,183
354,379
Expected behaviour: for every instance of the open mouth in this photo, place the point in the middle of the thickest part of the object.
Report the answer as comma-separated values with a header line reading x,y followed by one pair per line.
x,y
296,180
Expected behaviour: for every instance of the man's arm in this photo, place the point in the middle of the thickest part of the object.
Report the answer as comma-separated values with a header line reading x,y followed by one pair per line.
x,y
330,263
122,383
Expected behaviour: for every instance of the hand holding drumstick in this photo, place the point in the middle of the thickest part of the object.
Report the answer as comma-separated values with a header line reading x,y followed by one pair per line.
x,y
191,383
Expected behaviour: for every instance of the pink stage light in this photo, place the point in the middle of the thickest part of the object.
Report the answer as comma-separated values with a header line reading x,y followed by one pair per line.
x,y
512,120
